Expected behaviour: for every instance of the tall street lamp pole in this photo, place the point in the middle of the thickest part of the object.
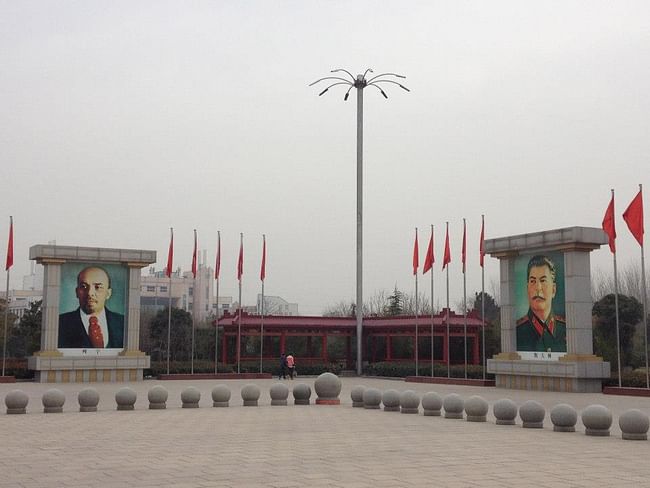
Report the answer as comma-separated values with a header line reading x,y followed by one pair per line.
x,y
360,82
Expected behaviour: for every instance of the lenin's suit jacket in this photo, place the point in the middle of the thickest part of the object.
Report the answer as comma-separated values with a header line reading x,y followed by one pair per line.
x,y
72,332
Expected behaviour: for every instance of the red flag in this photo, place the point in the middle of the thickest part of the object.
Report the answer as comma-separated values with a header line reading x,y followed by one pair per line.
x,y
263,268
482,244
416,255
446,258
194,256
240,260
609,225
429,259
217,265
170,256
633,217
10,245
464,251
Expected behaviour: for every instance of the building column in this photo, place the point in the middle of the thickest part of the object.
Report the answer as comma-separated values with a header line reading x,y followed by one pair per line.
x,y
132,332
50,307
445,351
348,352
324,348
475,349
578,303
283,342
224,348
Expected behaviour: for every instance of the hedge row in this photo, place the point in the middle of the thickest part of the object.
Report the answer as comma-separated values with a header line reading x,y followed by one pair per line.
x,y
635,379
271,367
401,370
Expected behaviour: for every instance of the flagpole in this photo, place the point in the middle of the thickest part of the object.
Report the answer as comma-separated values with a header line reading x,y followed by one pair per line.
x,y
169,314
645,316
241,245
10,257
194,298
645,304
432,310
4,341
483,295
262,309
448,349
618,333
465,295
417,364
216,329
613,249
645,299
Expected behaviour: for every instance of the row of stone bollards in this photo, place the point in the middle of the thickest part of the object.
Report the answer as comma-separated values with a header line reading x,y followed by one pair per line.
x,y
53,400
327,386
597,419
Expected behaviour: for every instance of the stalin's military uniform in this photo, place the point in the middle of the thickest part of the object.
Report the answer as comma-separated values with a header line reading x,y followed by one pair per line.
x,y
533,334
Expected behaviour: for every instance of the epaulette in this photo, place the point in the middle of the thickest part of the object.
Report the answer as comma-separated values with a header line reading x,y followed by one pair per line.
x,y
523,320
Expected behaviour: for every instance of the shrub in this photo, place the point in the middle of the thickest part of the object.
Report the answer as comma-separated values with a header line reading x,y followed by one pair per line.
x,y
403,369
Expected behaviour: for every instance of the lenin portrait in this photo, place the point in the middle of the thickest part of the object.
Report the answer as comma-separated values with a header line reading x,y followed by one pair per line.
x,y
540,294
96,295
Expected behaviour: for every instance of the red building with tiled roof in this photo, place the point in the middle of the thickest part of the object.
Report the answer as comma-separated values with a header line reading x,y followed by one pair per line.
x,y
380,335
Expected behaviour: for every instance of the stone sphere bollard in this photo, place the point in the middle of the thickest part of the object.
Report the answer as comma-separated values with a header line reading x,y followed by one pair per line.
x,y
190,397
409,402
453,405
532,415
634,425
16,402
390,399
597,420
357,395
125,398
564,418
328,388
505,411
157,397
220,396
301,394
476,409
279,394
88,399
250,394
431,404
371,398
53,401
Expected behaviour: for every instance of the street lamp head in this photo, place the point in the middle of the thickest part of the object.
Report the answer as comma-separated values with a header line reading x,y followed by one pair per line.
x,y
360,82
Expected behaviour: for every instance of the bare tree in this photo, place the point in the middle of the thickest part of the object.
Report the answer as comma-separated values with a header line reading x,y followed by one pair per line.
x,y
340,309
629,282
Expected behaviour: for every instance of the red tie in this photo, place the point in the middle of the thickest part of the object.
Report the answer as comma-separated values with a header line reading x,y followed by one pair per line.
x,y
95,332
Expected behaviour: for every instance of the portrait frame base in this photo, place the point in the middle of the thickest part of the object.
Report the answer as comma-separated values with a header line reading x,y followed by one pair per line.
x,y
575,376
70,369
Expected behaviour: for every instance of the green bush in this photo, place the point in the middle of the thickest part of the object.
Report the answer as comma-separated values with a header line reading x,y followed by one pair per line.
x,y
18,368
272,367
184,367
403,369
635,379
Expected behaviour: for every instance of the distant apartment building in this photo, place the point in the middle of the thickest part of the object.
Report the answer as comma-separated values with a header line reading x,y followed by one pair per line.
x,y
21,300
274,305
193,296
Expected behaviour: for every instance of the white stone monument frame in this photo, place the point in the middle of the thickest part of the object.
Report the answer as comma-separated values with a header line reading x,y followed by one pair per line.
x,y
49,363
578,370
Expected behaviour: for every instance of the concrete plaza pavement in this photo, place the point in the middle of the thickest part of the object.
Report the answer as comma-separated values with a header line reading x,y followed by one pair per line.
x,y
314,446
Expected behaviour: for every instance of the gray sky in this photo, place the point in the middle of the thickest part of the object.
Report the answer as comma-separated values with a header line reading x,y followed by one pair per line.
x,y
121,119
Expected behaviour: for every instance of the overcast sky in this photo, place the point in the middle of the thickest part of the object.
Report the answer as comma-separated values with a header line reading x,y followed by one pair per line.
x,y
122,119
